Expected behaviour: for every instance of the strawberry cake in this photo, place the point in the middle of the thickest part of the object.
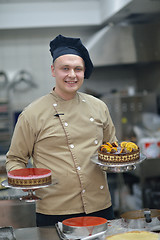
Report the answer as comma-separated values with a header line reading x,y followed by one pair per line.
x,y
29,177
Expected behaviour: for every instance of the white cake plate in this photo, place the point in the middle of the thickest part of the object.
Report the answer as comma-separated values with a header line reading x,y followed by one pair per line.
x,y
117,167
31,197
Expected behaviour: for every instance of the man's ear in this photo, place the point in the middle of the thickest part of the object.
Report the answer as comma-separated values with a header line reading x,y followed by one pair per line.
x,y
53,70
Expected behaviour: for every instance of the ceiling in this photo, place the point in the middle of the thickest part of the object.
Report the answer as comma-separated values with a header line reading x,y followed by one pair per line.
x,y
61,13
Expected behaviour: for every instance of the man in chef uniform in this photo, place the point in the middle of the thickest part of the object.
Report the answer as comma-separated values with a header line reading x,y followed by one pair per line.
x,y
61,131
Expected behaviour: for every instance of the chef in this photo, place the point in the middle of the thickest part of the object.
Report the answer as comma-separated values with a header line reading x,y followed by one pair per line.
x,y
61,131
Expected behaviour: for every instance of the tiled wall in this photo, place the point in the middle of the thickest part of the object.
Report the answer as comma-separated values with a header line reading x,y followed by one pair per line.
x,y
29,50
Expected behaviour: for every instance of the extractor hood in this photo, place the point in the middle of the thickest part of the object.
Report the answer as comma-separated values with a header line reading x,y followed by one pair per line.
x,y
131,11
130,35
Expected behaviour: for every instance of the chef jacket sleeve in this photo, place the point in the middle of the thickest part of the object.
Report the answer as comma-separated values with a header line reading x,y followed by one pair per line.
x,y
21,145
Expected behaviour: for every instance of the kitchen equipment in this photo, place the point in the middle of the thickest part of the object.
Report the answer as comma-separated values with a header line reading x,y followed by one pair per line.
x,y
7,233
139,219
3,80
127,111
22,81
2,164
84,226
117,167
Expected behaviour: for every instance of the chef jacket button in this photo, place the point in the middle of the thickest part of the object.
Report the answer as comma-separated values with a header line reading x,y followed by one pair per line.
x,y
66,124
78,168
83,191
96,141
71,146
83,100
55,104
101,187
91,119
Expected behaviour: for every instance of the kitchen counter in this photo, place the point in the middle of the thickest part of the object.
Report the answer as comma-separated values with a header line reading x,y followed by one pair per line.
x,y
17,214
43,233
50,233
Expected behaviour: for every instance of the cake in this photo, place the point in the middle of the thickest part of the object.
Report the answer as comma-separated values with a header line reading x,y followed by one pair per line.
x,y
118,153
84,226
134,235
29,177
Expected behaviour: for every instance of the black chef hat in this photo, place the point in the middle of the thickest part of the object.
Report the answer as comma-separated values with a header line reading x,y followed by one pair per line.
x,y
65,45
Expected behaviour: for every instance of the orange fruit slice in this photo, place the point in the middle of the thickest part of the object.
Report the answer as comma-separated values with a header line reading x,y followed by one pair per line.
x,y
123,144
129,149
132,145
109,144
106,147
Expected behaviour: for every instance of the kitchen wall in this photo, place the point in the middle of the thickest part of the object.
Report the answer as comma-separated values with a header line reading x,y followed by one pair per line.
x,y
29,50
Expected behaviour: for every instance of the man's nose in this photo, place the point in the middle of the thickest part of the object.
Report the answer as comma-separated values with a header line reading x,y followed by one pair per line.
x,y
72,73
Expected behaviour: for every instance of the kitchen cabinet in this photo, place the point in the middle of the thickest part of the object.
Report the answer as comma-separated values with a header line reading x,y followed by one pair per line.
x,y
43,233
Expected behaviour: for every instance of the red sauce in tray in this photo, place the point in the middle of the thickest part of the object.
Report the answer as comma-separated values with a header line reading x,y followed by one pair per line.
x,y
84,221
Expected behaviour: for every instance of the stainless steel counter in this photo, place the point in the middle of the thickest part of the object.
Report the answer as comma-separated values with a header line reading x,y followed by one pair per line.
x,y
17,214
43,233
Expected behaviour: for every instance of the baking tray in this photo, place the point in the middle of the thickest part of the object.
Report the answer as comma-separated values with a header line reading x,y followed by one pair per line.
x,y
117,167
7,233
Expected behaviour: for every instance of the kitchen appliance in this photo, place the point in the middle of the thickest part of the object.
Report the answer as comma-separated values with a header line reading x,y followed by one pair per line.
x,y
22,81
3,80
7,233
145,218
126,111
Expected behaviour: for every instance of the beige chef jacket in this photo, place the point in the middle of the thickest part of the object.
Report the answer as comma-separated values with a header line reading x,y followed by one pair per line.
x,y
62,136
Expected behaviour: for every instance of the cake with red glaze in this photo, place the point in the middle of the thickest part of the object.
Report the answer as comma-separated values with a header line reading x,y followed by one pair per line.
x,y
84,226
29,177
119,153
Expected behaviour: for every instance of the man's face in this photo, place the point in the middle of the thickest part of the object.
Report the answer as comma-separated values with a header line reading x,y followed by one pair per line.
x,y
68,71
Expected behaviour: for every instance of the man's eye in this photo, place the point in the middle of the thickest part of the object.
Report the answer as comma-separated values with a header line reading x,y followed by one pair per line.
x,y
78,69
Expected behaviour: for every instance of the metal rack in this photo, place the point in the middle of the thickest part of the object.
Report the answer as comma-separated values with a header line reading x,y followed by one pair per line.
x,y
5,126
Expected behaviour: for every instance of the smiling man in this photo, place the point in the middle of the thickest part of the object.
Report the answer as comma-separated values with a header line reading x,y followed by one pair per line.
x,y
61,131
68,71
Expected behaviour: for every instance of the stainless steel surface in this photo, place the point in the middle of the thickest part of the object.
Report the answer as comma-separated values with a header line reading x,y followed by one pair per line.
x,y
137,219
108,46
17,214
43,233
81,232
97,236
127,111
117,167
7,233
132,11
121,31
22,81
